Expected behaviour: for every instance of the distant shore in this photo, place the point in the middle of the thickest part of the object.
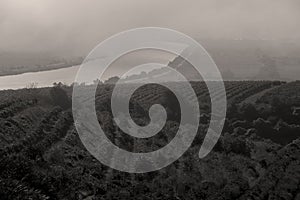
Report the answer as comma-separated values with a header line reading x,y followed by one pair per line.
x,y
23,70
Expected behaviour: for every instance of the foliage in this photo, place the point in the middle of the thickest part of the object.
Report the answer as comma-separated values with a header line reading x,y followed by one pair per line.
x,y
42,156
60,97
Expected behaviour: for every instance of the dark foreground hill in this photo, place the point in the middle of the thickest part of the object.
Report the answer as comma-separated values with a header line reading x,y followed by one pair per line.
x,y
257,156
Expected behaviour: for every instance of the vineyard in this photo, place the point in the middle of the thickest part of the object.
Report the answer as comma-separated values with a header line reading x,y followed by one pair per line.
x,y
236,91
257,156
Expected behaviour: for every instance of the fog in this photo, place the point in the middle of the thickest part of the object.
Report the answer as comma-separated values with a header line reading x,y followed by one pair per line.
x,y
36,32
75,27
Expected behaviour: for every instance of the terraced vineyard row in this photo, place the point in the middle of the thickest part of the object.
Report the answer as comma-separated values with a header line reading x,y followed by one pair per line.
x,y
52,127
236,91
20,155
42,156
15,107
289,93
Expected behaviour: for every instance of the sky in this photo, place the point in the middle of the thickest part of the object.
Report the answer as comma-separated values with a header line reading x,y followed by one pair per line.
x,y
71,28
76,26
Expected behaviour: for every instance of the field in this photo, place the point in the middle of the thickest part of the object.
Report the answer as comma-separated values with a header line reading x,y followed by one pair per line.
x,y
257,156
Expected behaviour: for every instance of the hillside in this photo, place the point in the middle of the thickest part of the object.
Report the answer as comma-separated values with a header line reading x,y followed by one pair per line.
x,y
257,156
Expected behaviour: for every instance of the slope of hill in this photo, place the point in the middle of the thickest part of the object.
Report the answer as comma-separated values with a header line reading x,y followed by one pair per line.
x,y
42,157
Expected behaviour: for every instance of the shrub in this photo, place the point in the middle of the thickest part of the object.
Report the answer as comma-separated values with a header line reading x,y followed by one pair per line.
x,y
60,97
249,112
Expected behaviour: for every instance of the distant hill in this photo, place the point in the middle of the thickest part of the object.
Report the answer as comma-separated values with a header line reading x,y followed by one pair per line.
x,y
248,59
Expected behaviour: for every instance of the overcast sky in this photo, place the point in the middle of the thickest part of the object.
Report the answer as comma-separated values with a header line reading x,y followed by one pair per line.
x,y
76,26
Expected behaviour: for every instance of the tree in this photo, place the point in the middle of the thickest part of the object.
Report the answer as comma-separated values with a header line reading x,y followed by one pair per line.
x,y
170,102
60,97
97,81
112,80
249,112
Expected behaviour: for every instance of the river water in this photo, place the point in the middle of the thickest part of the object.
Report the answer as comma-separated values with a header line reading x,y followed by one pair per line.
x,y
42,79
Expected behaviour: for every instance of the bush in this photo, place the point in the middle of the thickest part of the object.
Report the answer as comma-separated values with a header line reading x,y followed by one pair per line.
x,y
233,144
249,112
60,97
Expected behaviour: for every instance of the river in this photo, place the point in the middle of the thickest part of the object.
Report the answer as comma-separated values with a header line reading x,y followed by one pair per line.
x,y
42,79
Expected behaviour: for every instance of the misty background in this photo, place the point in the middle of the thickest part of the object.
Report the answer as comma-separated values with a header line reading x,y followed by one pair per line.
x,y
257,39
